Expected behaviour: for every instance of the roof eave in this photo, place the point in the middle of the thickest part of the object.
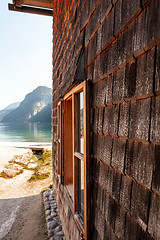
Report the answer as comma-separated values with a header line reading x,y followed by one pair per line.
x,y
33,10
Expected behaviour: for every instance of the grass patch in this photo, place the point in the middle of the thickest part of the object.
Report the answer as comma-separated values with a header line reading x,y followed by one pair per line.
x,y
36,177
44,161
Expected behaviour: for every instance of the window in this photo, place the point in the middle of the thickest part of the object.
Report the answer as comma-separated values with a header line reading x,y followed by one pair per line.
x,y
59,141
75,150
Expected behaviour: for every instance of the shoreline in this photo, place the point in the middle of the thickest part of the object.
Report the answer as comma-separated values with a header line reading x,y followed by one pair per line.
x,y
10,149
30,145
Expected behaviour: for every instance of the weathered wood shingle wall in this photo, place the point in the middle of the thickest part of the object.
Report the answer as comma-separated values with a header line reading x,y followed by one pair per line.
x,y
115,44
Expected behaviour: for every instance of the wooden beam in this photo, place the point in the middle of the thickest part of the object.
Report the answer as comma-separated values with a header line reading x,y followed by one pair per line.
x,y
17,3
34,3
33,10
38,3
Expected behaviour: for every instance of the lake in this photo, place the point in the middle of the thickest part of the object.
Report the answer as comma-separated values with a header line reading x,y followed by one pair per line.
x,y
25,132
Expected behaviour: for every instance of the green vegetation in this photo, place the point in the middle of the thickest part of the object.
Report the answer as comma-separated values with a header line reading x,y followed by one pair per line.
x,y
44,161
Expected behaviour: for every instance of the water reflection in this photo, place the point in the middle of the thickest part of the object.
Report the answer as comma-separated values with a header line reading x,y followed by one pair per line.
x,y
32,132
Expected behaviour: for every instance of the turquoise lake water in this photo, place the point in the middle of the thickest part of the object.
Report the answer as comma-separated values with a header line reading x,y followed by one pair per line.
x,y
25,132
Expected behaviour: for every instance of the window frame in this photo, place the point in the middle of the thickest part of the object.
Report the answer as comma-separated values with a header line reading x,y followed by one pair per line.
x,y
82,225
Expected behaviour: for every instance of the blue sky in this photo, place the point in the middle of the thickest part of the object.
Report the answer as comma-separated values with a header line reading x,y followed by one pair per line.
x,y
25,53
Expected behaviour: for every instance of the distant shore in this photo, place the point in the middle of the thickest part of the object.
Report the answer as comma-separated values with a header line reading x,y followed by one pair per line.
x,y
45,145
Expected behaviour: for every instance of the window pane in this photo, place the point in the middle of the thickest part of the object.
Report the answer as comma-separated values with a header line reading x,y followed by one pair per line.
x,y
58,140
80,124
81,187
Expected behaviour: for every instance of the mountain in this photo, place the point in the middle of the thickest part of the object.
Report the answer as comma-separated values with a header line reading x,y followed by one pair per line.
x,y
12,106
8,109
43,116
33,103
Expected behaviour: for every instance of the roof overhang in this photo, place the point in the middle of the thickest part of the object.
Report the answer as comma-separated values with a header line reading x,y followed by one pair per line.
x,y
42,7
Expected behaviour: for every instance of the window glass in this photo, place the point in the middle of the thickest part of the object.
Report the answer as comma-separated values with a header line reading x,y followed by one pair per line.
x,y
58,138
81,187
81,124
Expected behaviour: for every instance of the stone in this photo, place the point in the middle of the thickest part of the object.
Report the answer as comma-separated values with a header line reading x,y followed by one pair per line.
x,y
51,238
53,208
54,205
32,165
47,206
52,202
46,194
45,199
58,228
49,218
51,192
52,224
53,214
58,237
51,197
50,233
48,212
61,233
